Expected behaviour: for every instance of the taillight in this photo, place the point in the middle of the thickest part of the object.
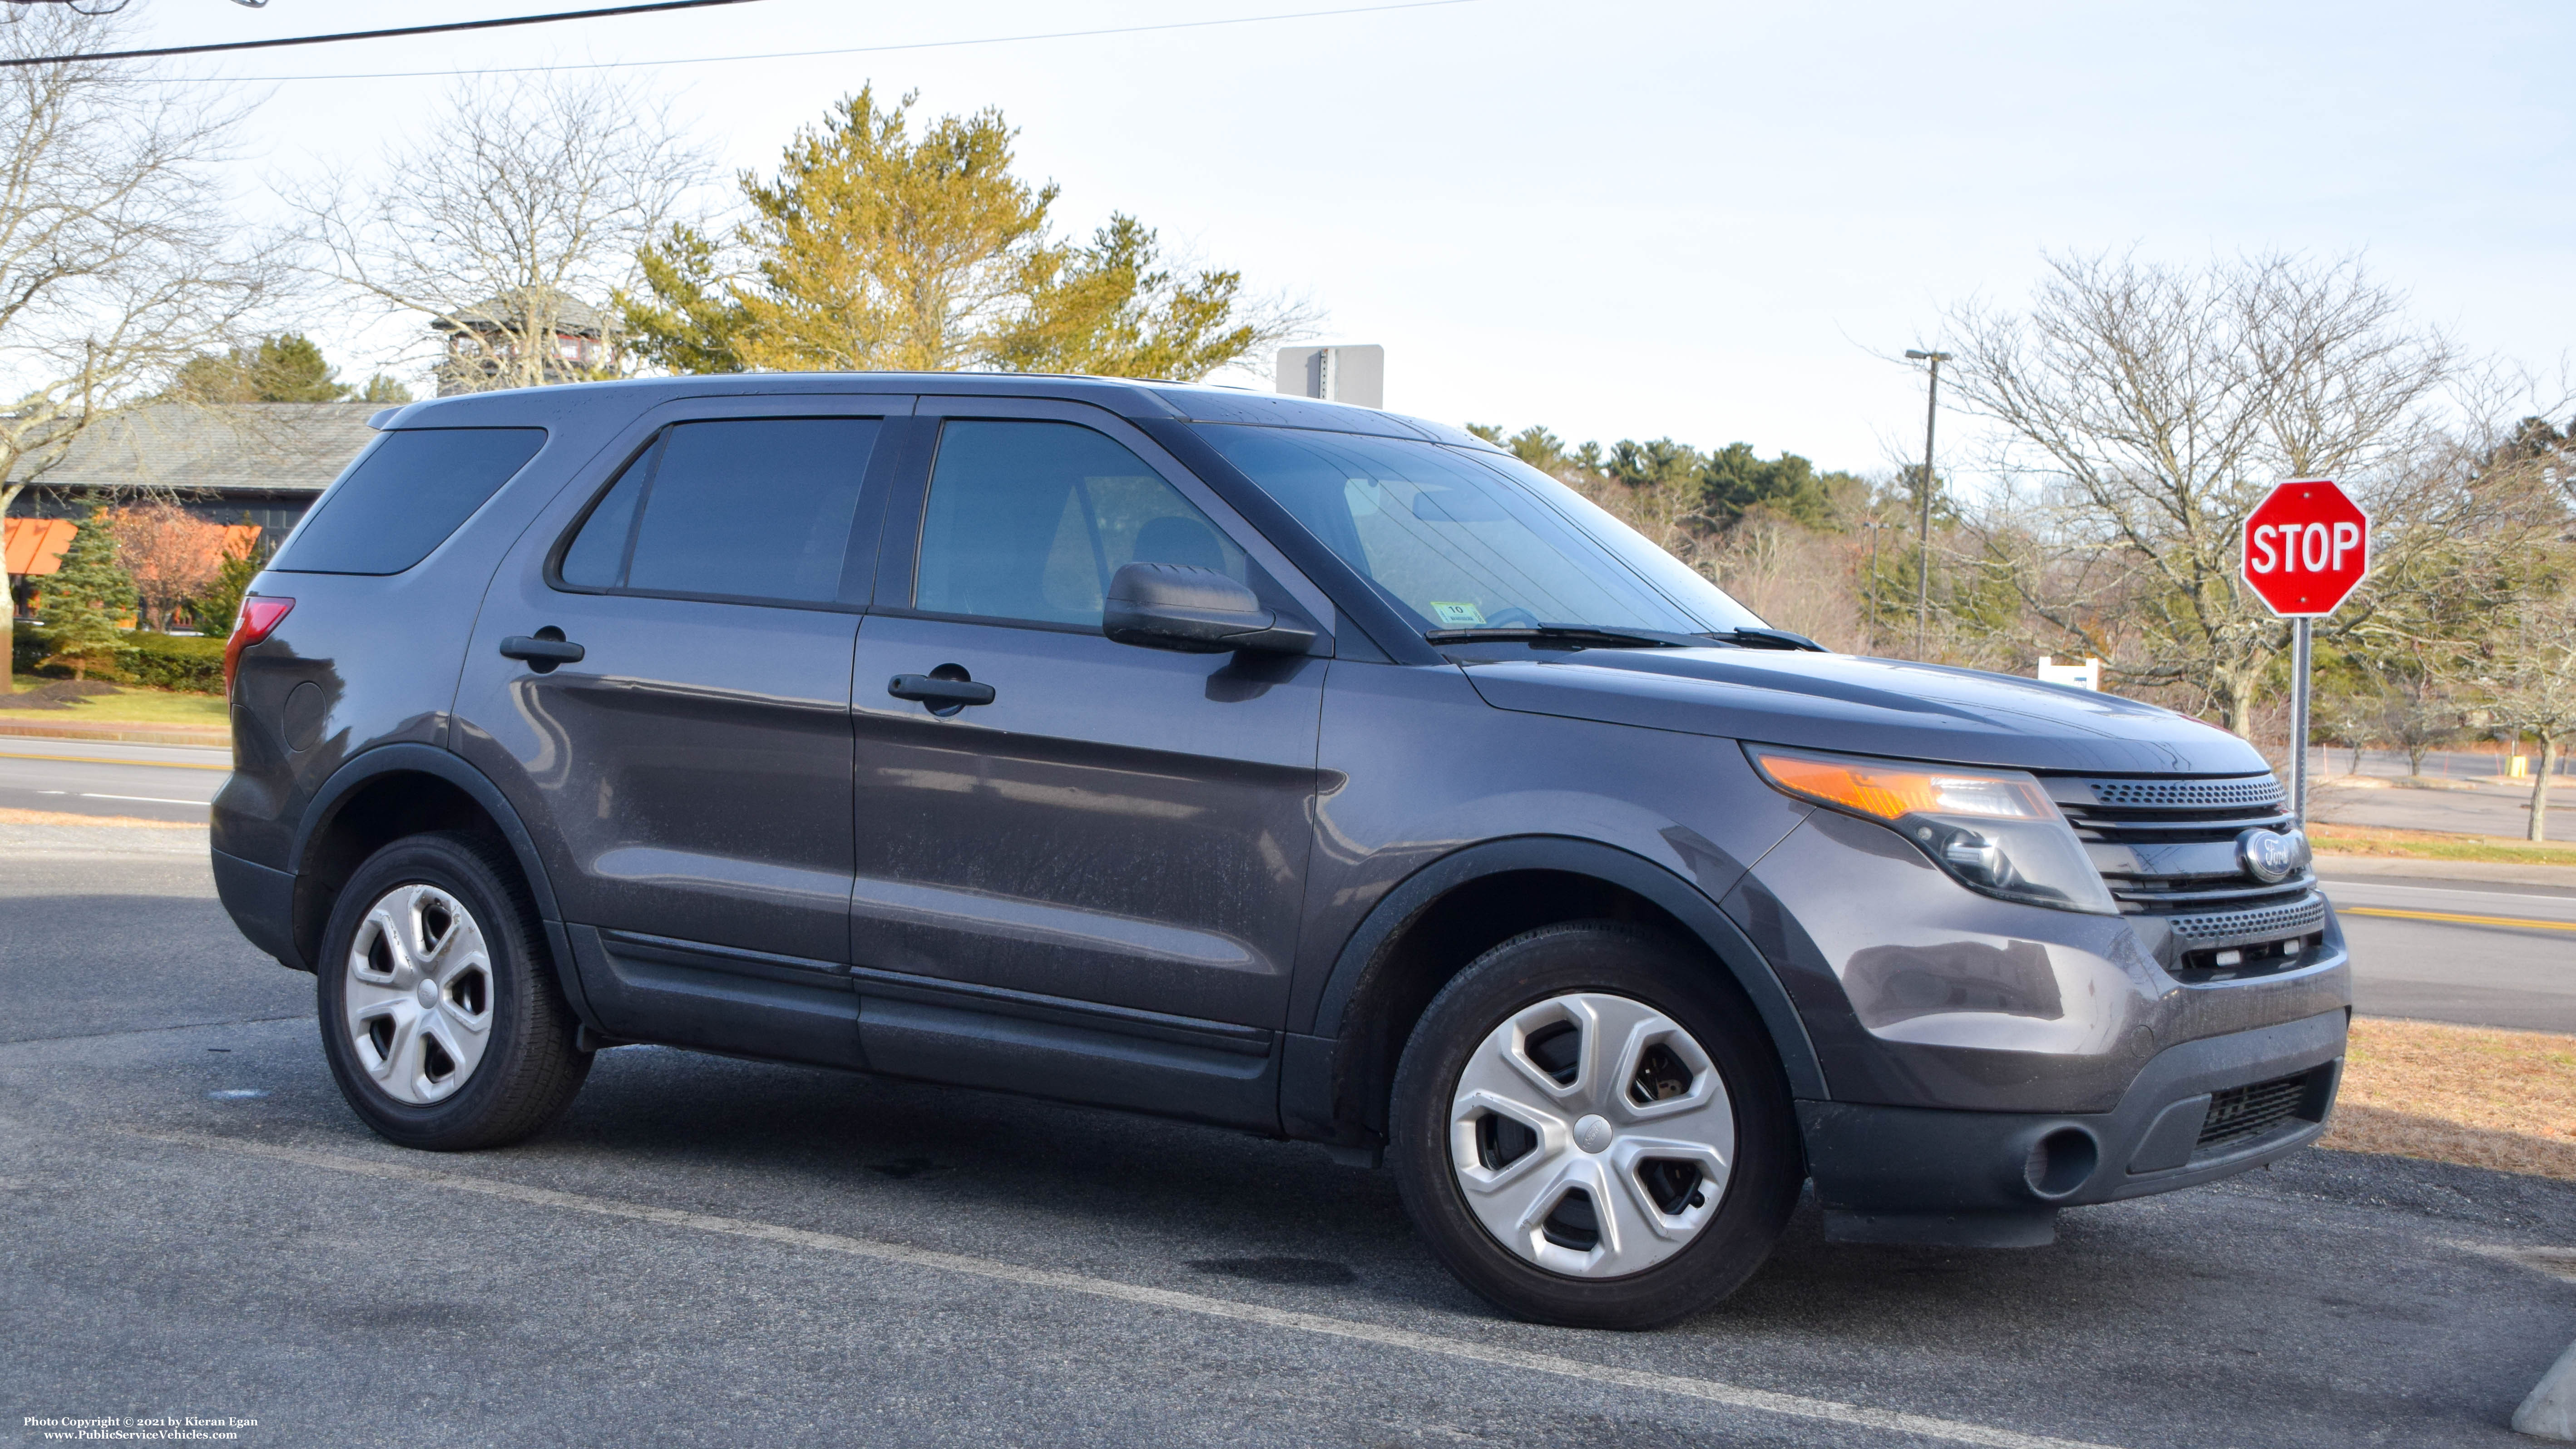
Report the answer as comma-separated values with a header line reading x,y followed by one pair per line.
x,y
259,618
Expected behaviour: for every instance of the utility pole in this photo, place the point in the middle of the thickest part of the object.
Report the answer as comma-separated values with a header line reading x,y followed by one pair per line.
x,y
1923,539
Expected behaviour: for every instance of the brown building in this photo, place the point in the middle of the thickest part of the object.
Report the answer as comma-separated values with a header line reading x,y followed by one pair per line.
x,y
255,464
571,336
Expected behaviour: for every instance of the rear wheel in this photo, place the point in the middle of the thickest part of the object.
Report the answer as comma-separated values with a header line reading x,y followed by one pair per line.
x,y
440,1016
1590,1128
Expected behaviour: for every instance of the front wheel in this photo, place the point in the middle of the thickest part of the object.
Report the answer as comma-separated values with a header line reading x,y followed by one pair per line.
x,y
440,1015
1590,1128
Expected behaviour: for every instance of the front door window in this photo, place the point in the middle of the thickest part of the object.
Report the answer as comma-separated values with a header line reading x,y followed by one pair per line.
x,y
1030,520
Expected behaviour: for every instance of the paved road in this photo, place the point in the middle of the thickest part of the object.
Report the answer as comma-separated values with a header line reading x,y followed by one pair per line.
x,y
708,1251
2473,953
101,777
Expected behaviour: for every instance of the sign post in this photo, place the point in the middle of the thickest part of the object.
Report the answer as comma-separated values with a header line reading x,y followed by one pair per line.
x,y
2307,547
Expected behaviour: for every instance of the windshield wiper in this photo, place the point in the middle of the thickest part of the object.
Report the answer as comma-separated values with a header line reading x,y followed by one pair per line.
x,y
1768,639
1595,635
1605,636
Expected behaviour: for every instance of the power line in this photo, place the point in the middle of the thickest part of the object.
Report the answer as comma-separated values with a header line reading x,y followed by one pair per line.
x,y
843,50
168,50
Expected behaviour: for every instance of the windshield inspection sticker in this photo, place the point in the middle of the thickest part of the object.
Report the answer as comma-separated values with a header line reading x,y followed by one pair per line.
x,y
1458,616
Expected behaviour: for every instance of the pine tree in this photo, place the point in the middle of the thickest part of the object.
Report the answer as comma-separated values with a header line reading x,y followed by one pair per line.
x,y
883,246
284,368
86,596
384,387
220,604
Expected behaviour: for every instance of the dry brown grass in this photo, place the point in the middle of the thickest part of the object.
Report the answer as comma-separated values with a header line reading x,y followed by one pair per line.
x,y
2331,839
12,816
2497,1099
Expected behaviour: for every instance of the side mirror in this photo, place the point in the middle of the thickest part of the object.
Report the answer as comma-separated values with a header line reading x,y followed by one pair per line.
x,y
1194,611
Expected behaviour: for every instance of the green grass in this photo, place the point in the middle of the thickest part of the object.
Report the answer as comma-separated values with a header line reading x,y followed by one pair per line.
x,y
2436,845
129,705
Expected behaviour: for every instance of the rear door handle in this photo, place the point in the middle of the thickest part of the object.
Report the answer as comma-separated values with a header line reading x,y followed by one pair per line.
x,y
944,695
541,653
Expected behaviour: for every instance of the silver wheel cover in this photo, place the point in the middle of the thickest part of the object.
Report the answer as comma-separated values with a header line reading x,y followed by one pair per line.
x,y
1623,1133
418,1003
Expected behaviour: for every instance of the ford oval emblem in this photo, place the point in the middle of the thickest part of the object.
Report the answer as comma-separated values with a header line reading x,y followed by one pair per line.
x,y
2272,856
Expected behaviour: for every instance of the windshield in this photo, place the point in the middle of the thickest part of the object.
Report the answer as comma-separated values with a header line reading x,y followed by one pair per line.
x,y
1465,539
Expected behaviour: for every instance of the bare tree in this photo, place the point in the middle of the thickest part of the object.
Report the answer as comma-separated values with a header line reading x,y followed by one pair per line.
x,y
1794,577
512,223
2530,688
2347,718
2144,409
117,262
2416,713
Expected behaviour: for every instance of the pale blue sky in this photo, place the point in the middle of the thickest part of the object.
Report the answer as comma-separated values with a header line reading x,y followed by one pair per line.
x,y
1643,219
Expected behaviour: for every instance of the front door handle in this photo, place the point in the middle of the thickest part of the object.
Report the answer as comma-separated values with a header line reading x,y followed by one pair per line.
x,y
544,651
946,690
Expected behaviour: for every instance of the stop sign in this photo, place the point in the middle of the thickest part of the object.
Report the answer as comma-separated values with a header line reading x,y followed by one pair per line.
x,y
2307,545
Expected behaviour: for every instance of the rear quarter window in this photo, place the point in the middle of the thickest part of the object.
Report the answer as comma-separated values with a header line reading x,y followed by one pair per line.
x,y
404,496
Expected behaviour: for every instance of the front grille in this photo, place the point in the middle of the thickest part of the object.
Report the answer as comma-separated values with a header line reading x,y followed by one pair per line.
x,y
2241,1114
2187,794
2168,848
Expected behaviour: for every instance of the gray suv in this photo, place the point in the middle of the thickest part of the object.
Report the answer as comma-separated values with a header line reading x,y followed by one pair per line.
x,y
1293,767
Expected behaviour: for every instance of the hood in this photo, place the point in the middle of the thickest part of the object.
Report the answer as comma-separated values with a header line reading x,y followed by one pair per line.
x,y
1866,707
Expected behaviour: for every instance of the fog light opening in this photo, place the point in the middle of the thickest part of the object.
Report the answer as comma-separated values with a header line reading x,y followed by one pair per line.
x,y
2061,1161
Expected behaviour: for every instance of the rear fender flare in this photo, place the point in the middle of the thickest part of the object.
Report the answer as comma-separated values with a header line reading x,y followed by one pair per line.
x,y
420,759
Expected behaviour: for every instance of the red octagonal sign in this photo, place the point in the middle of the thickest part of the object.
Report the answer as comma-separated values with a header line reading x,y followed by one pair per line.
x,y
2307,546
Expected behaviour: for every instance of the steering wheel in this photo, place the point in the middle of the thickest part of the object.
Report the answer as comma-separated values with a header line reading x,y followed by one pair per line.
x,y
1512,619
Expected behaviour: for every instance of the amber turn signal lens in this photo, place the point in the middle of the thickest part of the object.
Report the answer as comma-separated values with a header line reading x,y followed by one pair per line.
x,y
1884,790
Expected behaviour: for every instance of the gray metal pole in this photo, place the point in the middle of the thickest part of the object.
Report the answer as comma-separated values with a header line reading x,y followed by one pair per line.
x,y
1923,534
1875,529
2299,725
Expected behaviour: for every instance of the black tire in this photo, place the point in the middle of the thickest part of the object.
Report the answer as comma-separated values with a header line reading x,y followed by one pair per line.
x,y
1685,985
529,1068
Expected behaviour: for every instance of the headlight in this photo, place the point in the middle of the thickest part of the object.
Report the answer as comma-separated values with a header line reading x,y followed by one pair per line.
x,y
1994,831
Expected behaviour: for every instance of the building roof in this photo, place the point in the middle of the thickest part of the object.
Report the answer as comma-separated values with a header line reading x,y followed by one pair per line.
x,y
573,316
193,447
34,545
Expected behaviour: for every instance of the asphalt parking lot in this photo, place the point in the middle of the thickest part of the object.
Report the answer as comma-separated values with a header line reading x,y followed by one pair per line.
x,y
2473,804
708,1251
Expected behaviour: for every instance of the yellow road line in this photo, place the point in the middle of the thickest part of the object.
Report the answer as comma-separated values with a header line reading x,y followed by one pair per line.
x,y
100,760
2462,920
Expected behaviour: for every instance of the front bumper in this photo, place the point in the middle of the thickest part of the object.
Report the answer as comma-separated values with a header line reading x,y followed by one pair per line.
x,y
1917,992
1996,1179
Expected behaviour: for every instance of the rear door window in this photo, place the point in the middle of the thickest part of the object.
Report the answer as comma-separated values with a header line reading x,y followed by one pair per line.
x,y
404,496
738,508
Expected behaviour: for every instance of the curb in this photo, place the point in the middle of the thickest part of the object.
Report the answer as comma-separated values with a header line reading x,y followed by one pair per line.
x,y
2550,1412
